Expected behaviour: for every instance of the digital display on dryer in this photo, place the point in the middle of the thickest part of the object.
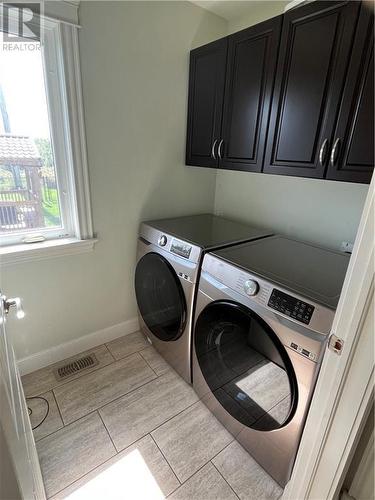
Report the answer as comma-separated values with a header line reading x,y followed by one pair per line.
x,y
291,306
180,248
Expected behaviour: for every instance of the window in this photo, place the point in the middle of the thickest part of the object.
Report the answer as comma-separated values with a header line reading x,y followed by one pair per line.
x,y
43,174
30,191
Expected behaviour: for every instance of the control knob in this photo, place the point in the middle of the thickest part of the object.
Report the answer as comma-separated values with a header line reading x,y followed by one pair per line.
x,y
163,240
251,287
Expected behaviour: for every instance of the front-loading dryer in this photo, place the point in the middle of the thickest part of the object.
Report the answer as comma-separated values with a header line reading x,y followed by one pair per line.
x,y
264,310
167,271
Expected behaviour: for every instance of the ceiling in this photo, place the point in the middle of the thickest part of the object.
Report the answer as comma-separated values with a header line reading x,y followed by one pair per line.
x,y
233,9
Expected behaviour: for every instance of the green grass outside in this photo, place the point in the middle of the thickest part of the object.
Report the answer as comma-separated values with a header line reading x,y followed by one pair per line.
x,y
51,209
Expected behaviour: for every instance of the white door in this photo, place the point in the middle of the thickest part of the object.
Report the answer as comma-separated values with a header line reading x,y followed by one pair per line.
x,y
20,456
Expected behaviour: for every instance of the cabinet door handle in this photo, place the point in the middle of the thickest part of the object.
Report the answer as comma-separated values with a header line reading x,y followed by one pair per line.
x,y
334,152
213,149
219,148
322,152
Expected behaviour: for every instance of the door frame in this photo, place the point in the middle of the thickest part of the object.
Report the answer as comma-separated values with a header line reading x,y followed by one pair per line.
x,y
16,434
344,392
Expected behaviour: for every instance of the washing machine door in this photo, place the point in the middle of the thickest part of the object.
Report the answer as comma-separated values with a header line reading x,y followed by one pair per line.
x,y
245,366
160,297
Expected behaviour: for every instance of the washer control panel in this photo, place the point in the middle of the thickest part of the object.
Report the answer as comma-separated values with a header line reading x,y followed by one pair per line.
x,y
180,248
163,240
291,306
251,287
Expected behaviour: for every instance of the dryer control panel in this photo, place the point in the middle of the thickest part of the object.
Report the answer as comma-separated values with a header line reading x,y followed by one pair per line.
x,y
291,306
273,297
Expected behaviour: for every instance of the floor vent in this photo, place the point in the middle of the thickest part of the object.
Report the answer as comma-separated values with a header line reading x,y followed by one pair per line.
x,y
76,366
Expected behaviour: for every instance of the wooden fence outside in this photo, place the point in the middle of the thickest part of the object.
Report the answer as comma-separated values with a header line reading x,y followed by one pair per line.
x,y
20,209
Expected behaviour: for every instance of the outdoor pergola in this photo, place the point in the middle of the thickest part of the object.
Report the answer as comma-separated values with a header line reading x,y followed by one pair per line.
x,y
20,203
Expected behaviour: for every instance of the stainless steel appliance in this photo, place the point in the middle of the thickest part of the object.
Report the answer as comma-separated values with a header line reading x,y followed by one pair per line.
x,y
263,314
168,265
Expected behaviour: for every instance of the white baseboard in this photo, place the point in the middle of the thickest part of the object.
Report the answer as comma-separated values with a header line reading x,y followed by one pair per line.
x,y
73,347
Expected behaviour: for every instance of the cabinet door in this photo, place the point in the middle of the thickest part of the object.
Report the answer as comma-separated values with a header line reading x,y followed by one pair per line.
x,y
252,55
205,107
352,156
315,46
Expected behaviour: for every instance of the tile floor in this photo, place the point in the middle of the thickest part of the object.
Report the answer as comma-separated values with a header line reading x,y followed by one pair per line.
x,y
131,428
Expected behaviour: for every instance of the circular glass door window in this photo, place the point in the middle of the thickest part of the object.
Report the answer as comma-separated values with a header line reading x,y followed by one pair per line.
x,y
245,365
160,297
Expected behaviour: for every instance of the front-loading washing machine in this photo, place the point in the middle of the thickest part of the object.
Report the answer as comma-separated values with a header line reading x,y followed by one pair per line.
x,y
167,271
264,311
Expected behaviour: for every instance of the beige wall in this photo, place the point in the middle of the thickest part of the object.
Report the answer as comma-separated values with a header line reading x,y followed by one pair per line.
x,y
319,211
134,58
260,11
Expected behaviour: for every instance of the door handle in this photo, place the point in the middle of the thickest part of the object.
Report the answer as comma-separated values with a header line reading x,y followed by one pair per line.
x,y
213,150
219,148
13,302
334,152
322,152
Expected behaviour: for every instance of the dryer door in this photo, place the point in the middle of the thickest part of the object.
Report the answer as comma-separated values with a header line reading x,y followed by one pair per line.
x,y
160,297
245,365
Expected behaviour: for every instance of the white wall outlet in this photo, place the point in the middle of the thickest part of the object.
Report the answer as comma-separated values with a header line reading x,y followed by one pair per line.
x,y
347,247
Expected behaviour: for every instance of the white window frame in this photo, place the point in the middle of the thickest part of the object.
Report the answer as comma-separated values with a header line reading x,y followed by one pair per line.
x,y
59,45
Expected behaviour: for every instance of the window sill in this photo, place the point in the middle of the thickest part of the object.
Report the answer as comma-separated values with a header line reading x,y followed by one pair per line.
x,y
45,250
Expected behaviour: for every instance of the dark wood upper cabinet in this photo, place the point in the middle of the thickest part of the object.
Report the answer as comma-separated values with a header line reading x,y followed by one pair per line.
x,y
293,95
352,158
252,57
315,46
205,107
